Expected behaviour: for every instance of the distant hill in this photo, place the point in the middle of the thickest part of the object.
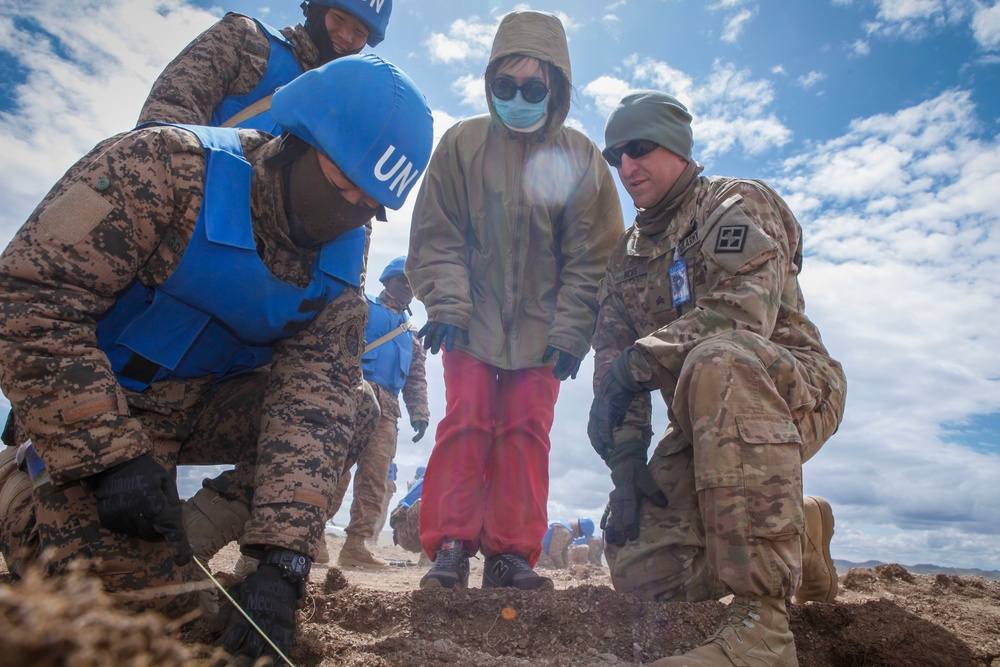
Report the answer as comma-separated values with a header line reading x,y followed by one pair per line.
x,y
922,568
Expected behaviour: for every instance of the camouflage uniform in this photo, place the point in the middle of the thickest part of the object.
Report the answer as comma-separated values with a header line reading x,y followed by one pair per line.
x,y
406,527
373,464
559,546
124,212
750,389
229,58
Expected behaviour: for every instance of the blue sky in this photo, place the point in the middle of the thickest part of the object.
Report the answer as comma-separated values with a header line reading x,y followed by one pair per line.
x,y
876,119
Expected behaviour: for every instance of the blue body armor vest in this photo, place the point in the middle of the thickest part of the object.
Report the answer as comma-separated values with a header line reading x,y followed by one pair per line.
x,y
282,67
414,494
221,310
388,365
547,540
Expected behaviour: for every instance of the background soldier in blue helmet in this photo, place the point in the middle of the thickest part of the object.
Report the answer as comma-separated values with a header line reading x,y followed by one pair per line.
x,y
561,535
191,295
393,362
240,61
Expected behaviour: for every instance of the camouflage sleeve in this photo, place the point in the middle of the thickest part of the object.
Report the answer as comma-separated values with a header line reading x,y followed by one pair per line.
x,y
746,258
308,422
593,221
615,332
229,58
97,229
415,389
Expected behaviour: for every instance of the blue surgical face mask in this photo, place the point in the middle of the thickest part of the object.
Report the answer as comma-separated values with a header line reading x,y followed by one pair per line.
x,y
518,114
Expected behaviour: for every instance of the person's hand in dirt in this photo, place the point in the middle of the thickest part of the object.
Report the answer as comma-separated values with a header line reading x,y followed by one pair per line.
x,y
270,596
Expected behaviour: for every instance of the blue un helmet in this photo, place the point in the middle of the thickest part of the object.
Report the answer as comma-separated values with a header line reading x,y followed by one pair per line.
x,y
393,268
373,13
586,526
367,117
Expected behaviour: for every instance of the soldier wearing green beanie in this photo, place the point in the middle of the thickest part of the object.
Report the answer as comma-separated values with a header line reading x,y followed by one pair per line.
x,y
701,302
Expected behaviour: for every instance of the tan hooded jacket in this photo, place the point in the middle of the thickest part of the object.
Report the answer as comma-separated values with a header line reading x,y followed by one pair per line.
x,y
512,232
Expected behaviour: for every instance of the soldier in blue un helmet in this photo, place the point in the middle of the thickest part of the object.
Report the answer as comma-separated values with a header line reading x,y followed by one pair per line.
x,y
192,295
227,75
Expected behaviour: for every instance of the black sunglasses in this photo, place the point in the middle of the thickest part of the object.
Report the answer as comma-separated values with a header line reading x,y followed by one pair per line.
x,y
532,90
634,149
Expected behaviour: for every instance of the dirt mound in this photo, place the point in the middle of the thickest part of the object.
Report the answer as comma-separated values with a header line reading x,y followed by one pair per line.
x,y
885,617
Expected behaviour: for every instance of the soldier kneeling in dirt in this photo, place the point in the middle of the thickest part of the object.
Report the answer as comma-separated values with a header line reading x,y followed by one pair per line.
x,y
701,302
191,295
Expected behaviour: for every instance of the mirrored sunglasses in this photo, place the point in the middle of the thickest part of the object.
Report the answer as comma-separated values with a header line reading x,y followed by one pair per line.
x,y
532,90
634,149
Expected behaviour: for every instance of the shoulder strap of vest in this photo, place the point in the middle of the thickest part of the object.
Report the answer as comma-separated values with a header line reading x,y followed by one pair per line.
x,y
387,337
255,109
275,33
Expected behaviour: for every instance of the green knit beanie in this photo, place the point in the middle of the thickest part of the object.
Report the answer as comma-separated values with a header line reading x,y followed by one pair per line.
x,y
651,115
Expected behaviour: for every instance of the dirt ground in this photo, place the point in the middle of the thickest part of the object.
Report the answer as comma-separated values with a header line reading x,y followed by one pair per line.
x,y
882,618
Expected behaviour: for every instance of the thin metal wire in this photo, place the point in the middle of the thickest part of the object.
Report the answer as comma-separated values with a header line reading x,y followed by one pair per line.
x,y
240,609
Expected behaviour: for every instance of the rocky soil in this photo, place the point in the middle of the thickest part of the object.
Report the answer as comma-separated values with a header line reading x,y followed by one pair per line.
x,y
882,618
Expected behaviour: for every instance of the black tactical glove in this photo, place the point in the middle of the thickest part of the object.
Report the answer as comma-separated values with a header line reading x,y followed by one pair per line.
x,y
270,596
567,366
632,480
139,498
420,426
614,396
436,333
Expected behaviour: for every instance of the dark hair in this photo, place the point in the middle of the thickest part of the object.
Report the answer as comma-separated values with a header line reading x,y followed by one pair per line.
x,y
560,89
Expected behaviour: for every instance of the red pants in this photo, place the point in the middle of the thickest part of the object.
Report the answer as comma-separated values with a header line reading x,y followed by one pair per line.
x,y
487,480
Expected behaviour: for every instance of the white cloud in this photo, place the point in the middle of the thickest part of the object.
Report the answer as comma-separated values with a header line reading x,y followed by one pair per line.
x,y
986,27
915,19
901,217
859,48
86,80
809,80
466,39
734,25
472,91
730,108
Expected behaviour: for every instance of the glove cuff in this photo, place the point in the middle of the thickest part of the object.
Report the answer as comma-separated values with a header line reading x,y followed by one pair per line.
x,y
622,368
293,566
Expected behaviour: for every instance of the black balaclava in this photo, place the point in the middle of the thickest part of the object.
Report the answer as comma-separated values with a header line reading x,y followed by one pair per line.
x,y
316,210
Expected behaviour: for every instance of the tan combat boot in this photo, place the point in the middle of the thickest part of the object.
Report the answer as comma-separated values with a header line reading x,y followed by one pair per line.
x,y
212,521
755,634
819,575
355,554
322,552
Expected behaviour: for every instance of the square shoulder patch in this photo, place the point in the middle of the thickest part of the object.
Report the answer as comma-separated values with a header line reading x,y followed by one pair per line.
x,y
731,238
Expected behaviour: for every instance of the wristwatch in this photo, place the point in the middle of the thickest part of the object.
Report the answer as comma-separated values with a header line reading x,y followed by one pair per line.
x,y
293,566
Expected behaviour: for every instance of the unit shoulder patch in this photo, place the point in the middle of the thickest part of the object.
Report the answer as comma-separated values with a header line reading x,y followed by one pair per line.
x,y
737,240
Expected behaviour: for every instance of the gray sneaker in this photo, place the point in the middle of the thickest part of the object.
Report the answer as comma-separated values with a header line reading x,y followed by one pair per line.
x,y
511,571
450,569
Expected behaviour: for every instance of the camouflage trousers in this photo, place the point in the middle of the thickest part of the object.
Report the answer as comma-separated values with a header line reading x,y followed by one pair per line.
x,y
744,417
198,423
370,479
368,449
405,522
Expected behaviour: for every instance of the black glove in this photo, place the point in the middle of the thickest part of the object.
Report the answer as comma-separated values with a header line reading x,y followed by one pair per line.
x,y
567,366
436,333
420,426
270,596
139,498
632,480
614,396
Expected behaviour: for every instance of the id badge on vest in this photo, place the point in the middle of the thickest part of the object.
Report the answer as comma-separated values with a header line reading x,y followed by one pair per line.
x,y
680,288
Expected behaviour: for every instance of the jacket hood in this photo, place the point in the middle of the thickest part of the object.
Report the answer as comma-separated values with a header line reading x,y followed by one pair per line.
x,y
540,35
